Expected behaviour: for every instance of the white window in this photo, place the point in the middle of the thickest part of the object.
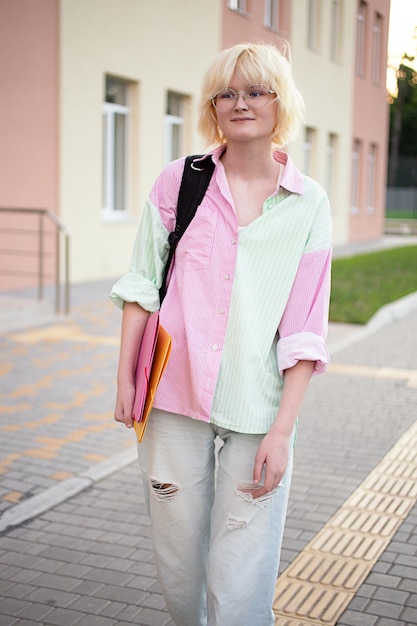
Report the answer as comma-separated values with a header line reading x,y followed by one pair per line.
x,y
360,38
115,133
313,35
356,165
237,5
331,165
376,48
174,126
272,14
372,162
335,30
308,148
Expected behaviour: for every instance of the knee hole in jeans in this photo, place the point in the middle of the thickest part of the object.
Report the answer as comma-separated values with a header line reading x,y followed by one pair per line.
x,y
163,492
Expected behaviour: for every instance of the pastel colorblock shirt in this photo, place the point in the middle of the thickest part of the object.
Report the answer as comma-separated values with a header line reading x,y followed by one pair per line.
x,y
243,305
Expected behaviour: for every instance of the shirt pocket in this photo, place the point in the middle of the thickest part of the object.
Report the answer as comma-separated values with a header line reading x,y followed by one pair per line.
x,y
195,247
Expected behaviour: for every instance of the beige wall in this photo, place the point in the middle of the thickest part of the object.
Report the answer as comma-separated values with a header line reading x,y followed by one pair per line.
x,y
156,45
327,88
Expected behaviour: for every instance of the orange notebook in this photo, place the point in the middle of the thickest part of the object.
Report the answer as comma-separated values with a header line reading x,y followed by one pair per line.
x,y
153,356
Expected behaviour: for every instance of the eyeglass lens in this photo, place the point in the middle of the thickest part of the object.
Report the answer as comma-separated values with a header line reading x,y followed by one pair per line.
x,y
255,96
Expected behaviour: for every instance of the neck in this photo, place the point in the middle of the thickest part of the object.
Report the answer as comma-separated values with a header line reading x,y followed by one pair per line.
x,y
249,160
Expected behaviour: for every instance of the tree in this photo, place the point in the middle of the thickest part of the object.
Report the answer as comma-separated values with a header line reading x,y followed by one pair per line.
x,y
403,126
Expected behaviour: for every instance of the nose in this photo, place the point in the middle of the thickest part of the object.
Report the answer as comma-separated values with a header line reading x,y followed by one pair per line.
x,y
240,99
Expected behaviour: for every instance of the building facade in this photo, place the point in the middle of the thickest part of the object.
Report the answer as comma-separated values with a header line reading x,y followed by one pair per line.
x,y
103,93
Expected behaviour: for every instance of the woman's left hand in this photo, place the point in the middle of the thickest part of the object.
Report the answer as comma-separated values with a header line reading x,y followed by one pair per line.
x,y
271,459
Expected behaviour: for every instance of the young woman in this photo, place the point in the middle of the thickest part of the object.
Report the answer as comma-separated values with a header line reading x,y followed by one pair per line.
x,y
247,309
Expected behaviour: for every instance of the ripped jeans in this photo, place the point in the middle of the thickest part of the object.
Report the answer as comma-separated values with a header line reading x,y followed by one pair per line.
x,y
216,550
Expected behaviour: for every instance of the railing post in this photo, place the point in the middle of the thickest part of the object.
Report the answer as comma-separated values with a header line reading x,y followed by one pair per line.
x,y
67,262
38,278
40,260
57,273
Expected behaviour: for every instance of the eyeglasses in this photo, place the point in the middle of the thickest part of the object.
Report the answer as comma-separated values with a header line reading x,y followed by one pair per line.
x,y
256,96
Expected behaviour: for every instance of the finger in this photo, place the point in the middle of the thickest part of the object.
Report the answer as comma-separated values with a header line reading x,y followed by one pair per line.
x,y
258,468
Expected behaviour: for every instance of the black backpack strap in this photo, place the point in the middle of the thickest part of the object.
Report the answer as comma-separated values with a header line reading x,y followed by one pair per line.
x,y
194,183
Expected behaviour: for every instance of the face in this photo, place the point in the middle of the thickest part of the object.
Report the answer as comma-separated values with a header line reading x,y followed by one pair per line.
x,y
243,122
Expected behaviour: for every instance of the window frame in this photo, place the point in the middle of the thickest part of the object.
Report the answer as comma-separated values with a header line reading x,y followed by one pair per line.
x,y
313,32
336,30
172,121
239,6
361,25
331,169
309,149
356,176
371,179
271,14
109,154
377,47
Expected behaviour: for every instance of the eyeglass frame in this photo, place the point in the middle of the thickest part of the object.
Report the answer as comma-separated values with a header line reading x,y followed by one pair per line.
x,y
244,94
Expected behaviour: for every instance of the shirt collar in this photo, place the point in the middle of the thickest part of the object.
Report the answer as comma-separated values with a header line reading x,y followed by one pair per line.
x,y
292,179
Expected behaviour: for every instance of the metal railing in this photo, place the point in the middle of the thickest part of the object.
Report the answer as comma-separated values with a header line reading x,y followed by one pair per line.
x,y
39,274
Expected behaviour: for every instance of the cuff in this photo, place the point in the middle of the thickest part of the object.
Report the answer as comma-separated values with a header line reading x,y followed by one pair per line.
x,y
135,288
302,347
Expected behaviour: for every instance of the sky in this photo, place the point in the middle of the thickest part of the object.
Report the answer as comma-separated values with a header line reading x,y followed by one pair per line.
x,y
402,27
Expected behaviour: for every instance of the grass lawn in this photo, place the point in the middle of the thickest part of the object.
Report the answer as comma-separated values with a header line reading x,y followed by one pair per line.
x,y
401,214
363,284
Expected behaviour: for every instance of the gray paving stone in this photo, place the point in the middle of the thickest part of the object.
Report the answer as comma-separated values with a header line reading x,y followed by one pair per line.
x,y
100,538
36,612
384,609
409,616
63,617
393,596
354,618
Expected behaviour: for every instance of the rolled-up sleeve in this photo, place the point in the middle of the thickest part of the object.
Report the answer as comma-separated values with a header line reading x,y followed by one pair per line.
x,y
142,282
304,324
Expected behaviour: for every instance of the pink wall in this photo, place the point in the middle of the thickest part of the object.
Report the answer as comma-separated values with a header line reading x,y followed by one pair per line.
x,y
29,65
238,28
370,126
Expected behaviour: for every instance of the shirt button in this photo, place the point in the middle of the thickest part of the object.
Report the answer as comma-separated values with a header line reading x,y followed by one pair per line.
x,y
221,310
233,241
214,347
226,276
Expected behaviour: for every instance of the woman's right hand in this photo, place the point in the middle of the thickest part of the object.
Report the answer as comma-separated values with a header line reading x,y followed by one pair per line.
x,y
124,404
133,327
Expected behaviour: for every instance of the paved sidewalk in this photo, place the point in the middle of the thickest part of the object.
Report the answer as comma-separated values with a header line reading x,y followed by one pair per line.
x,y
74,542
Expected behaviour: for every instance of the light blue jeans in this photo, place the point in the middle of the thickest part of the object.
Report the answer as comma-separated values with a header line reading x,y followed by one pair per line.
x,y
216,550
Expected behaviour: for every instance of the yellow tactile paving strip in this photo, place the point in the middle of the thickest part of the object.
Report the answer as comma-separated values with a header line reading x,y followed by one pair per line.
x,y
66,332
321,581
410,376
22,398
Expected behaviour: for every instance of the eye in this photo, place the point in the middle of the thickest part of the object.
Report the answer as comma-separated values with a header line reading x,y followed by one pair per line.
x,y
228,94
257,91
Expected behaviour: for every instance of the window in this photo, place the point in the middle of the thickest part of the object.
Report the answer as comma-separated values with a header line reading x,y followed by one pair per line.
x,y
372,160
331,165
335,30
360,38
237,5
272,14
174,126
313,36
309,146
356,164
376,48
115,132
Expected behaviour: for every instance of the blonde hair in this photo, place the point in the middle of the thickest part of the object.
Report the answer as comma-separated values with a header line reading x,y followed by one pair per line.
x,y
256,64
